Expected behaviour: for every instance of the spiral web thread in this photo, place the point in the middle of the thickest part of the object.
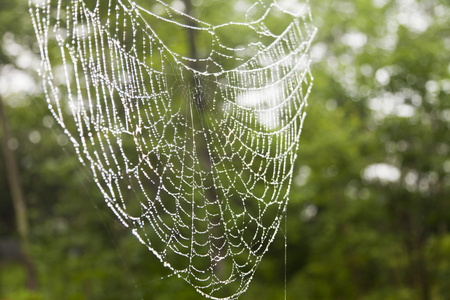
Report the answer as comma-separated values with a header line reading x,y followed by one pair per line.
x,y
194,154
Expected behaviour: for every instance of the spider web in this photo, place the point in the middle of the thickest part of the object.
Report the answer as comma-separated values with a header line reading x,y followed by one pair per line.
x,y
190,125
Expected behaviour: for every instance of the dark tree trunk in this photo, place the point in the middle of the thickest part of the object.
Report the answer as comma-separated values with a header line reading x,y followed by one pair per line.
x,y
20,208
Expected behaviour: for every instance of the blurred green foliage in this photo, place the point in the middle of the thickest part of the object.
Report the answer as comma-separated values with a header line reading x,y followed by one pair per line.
x,y
369,211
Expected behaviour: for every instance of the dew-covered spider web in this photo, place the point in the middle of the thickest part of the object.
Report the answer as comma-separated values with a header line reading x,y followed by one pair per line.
x,y
189,116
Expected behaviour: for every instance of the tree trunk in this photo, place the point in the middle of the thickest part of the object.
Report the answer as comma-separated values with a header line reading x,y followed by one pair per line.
x,y
20,208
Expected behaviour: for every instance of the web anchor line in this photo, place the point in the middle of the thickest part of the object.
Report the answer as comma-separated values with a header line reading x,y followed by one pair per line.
x,y
192,144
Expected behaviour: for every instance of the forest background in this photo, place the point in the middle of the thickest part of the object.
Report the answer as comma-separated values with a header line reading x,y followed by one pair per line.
x,y
369,212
